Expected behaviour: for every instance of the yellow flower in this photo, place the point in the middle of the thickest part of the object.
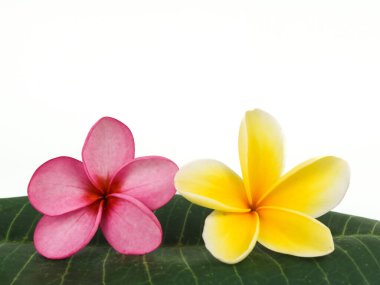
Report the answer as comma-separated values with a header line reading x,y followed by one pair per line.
x,y
277,211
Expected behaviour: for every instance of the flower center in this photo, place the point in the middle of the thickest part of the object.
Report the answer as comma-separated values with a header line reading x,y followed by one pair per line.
x,y
104,197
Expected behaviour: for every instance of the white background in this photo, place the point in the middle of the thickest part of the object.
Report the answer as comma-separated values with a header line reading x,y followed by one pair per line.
x,y
181,74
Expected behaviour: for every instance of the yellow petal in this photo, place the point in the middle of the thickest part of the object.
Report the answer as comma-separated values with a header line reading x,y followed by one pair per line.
x,y
230,237
290,232
313,188
260,152
211,184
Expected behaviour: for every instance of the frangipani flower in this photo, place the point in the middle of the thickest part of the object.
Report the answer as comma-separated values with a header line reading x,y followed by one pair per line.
x,y
277,211
110,188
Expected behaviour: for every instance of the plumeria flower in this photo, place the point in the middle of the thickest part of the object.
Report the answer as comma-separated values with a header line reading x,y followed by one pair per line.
x,y
277,211
109,188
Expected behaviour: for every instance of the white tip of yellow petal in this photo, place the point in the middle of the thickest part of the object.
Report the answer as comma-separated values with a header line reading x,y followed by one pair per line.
x,y
290,232
211,184
260,152
230,237
314,187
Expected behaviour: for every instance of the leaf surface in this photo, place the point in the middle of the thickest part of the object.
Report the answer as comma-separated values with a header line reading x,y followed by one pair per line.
x,y
182,258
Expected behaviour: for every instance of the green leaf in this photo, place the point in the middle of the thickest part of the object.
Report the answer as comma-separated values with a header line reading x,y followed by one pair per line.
x,y
183,259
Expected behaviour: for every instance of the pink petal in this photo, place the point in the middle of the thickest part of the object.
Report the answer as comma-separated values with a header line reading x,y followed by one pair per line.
x,y
62,236
109,145
59,186
129,226
149,179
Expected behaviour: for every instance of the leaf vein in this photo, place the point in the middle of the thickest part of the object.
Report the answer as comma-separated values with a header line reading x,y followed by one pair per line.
x,y
66,271
30,228
278,265
184,225
237,274
368,250
325,276
345,226
10,254
374,226
146,266
104,267
354,263
23,268
14,220
188,267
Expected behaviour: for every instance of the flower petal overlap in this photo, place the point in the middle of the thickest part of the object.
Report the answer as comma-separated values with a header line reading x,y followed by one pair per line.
x,y
110,188
277,211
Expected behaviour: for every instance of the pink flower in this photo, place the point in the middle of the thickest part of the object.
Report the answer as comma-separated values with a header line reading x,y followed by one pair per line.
x,y
110,188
